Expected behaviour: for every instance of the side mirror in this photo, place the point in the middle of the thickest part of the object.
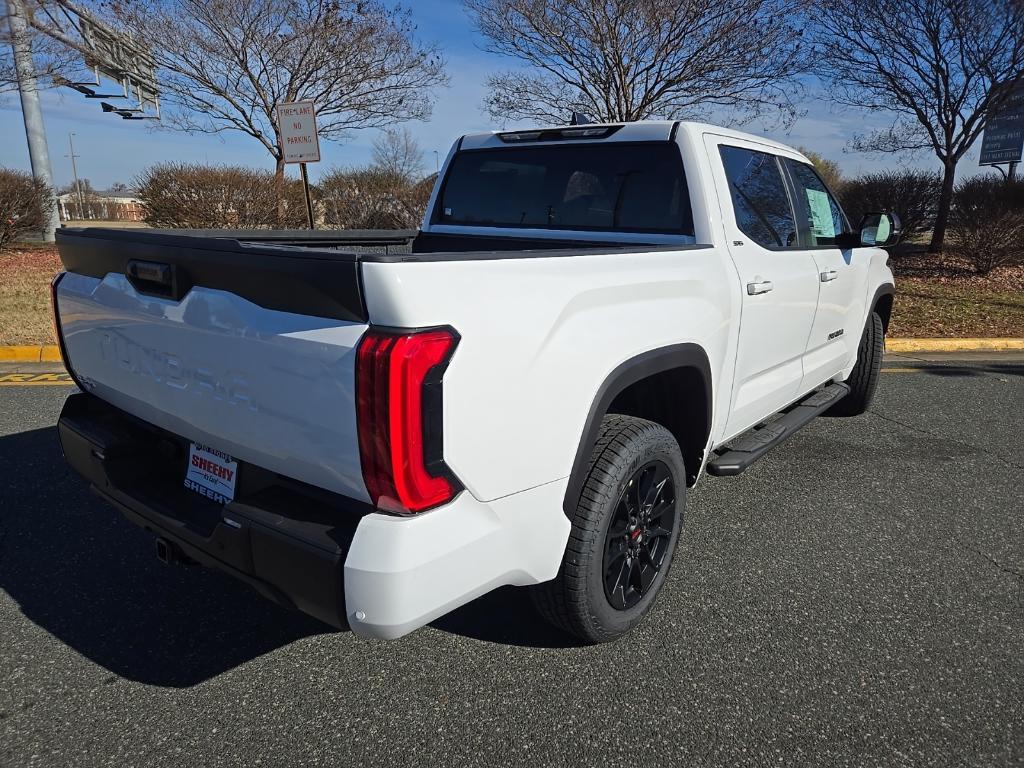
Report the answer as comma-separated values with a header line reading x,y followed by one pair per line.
x,y
880,229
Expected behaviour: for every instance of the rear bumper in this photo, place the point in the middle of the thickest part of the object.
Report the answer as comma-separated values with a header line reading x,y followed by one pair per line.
x,y
333,558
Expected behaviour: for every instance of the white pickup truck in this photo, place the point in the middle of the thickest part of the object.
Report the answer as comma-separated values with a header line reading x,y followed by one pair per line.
x,y
376,428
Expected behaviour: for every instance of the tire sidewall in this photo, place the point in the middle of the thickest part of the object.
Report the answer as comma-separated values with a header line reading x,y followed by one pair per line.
x,y
657,447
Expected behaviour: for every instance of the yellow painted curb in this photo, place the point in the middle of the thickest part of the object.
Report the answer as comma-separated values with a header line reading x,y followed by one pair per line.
x,y
50,353
38,353
954,345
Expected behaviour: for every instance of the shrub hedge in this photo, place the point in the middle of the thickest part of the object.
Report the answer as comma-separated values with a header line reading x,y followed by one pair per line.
x,y
25,205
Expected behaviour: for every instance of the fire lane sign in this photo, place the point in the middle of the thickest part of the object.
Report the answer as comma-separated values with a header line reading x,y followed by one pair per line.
x,y
299,139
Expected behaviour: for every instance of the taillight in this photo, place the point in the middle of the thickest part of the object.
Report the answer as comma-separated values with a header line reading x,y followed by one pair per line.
x,y
398,403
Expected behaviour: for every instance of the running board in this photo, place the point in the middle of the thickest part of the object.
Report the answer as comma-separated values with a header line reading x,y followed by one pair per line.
x,y
751,446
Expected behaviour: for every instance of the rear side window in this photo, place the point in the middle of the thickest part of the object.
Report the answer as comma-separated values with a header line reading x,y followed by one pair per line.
x,y
759,197
821,218
609,186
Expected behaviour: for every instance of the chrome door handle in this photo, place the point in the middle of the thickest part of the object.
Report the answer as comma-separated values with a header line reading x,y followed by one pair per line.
x,y
753,289
829,275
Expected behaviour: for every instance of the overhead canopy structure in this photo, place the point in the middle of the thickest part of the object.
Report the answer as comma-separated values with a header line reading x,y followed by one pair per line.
x,y
110,54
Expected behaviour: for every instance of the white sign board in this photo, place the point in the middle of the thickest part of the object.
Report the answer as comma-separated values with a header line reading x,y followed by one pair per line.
x,y
298,132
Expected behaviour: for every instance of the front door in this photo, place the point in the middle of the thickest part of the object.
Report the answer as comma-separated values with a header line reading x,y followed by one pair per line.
x,y
778,281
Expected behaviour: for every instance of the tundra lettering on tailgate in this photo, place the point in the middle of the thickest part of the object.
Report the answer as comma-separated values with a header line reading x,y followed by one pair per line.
x,y
168,369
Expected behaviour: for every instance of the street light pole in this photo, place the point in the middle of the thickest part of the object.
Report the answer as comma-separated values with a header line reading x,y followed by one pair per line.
x,y
35,132
78,184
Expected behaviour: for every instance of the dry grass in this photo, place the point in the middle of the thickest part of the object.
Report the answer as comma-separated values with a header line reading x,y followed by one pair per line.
x,y
936,297
939,296
25,275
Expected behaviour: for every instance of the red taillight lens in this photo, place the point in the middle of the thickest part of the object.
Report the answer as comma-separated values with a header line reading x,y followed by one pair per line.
x,y
398,400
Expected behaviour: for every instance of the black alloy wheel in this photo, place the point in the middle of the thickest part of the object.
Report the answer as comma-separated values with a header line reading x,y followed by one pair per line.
x,y
639,535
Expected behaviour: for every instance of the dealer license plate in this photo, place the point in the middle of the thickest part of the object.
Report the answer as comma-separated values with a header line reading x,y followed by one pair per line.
x,y
211,473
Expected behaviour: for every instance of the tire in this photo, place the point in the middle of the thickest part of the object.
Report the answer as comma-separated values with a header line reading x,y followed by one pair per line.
x,y
864,377
604,546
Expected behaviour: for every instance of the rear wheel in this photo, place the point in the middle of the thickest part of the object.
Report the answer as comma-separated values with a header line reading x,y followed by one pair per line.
x,y
864,377
624,533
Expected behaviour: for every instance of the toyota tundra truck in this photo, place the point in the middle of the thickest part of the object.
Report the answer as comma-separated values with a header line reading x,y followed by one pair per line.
x,y
378,427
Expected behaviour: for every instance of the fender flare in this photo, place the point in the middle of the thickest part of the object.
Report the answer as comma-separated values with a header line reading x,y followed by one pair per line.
x,y
885,289
624,375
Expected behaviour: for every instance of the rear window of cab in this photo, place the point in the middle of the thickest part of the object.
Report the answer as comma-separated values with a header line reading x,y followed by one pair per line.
x,y
611,186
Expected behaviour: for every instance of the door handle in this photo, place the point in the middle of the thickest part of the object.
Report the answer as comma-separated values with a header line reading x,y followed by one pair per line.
x,y
829,275
753,289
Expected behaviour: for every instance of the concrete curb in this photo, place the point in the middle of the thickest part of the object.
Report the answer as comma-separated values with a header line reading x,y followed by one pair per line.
x,y
49,353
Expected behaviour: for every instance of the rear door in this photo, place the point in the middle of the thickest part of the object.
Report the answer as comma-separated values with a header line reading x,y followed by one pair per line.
x,y
778,281
842,276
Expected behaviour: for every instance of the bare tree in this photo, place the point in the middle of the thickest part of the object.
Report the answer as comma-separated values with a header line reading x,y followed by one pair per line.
x,y
941,68
617,60
225,65
396,152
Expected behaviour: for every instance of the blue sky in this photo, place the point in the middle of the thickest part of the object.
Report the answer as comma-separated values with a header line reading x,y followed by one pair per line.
x,y
112,149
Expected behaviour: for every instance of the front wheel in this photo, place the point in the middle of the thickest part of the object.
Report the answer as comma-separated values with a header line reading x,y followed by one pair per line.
x,y
624,533
864,377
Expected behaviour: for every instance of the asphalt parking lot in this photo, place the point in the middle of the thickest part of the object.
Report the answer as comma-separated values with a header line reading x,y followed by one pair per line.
x,y
856,598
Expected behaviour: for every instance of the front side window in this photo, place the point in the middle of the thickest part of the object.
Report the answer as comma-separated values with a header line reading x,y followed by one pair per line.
x,y
608,186
759,197
821,217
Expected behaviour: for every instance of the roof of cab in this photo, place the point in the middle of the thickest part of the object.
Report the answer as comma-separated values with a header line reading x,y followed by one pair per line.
x,y
643,130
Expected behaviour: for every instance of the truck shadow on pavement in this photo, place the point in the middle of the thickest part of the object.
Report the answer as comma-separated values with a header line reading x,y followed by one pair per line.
x,y
83,573
91,579
957,371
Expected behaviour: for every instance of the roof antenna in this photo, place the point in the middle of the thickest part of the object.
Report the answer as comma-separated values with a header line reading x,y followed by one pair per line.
x,y
578,118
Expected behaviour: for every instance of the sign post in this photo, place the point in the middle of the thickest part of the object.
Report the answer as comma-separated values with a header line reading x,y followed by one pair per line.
x,y
300,141
1004,135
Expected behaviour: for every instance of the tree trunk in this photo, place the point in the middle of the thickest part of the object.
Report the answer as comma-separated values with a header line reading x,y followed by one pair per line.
x,y
945,203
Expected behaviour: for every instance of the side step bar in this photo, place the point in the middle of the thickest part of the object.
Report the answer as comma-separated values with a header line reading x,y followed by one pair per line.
x,y
754,444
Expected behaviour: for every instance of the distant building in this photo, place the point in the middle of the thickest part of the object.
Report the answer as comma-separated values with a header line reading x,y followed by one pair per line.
x,y
101,205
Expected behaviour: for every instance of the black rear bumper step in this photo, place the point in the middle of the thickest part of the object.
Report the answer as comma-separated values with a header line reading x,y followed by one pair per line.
x,y
286,540
751,446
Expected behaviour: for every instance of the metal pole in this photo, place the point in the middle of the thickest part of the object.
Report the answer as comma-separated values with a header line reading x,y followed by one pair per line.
x,y
1011,172
35,131
78,184
309,200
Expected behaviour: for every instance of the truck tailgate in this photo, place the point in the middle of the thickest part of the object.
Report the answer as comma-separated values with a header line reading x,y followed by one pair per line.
x,y
236,363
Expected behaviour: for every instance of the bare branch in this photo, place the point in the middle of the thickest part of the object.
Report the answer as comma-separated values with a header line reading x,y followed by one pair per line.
x,y
620,60
225,65
942,68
